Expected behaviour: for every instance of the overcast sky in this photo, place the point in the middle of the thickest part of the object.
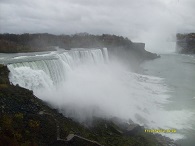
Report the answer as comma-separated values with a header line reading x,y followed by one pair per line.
x,y
149,21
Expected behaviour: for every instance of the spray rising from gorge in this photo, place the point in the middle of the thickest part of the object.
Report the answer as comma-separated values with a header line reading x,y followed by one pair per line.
x,y
84,83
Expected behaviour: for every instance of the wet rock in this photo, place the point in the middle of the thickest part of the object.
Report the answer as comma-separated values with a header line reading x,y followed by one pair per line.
x,y
185,43
165,141
26,120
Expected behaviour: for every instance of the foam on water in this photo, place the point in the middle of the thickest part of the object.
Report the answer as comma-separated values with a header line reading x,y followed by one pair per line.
x,y
83,84
30,79
20,57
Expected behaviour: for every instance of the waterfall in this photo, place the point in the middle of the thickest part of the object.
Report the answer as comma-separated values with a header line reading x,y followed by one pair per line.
x,y
45,73
83,83
105,52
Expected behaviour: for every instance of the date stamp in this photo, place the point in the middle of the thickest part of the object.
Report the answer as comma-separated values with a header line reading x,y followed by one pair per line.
x,y
160,130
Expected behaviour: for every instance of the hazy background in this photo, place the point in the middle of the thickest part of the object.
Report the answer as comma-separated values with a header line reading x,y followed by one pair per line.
x,y
154,22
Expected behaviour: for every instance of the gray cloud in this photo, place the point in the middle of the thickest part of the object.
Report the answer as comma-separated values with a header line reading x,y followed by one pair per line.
x,y
150,21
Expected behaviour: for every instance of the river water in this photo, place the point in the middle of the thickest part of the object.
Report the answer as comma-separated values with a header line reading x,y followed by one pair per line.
x,y
84,83
178,71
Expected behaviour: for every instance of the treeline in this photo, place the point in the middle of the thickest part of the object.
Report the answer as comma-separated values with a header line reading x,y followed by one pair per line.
x,y
186,43
118,46
181,36
44,41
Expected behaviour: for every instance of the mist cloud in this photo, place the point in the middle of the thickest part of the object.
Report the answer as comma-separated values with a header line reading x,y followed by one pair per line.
x,y
151,21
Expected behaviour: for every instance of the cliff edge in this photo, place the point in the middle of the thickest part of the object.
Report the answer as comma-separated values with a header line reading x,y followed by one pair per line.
x,y
185,43
118,46
25,120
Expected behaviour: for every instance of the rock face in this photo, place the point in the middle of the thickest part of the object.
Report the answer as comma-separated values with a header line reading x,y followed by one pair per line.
x,y
75,140
25,120
4,75
186,43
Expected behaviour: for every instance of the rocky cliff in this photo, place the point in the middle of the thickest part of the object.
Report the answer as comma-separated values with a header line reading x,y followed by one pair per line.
x,y
185,43
25,120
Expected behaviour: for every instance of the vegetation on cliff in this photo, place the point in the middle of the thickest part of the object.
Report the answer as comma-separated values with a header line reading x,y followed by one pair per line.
x,y
82,40
130,53
12,43
25,120
186,43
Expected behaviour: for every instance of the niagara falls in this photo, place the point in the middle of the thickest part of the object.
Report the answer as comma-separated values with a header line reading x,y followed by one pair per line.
x,y
97,73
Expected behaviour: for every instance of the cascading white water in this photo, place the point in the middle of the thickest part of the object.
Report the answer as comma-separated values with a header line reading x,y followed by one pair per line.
x,y
55,70
83,83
